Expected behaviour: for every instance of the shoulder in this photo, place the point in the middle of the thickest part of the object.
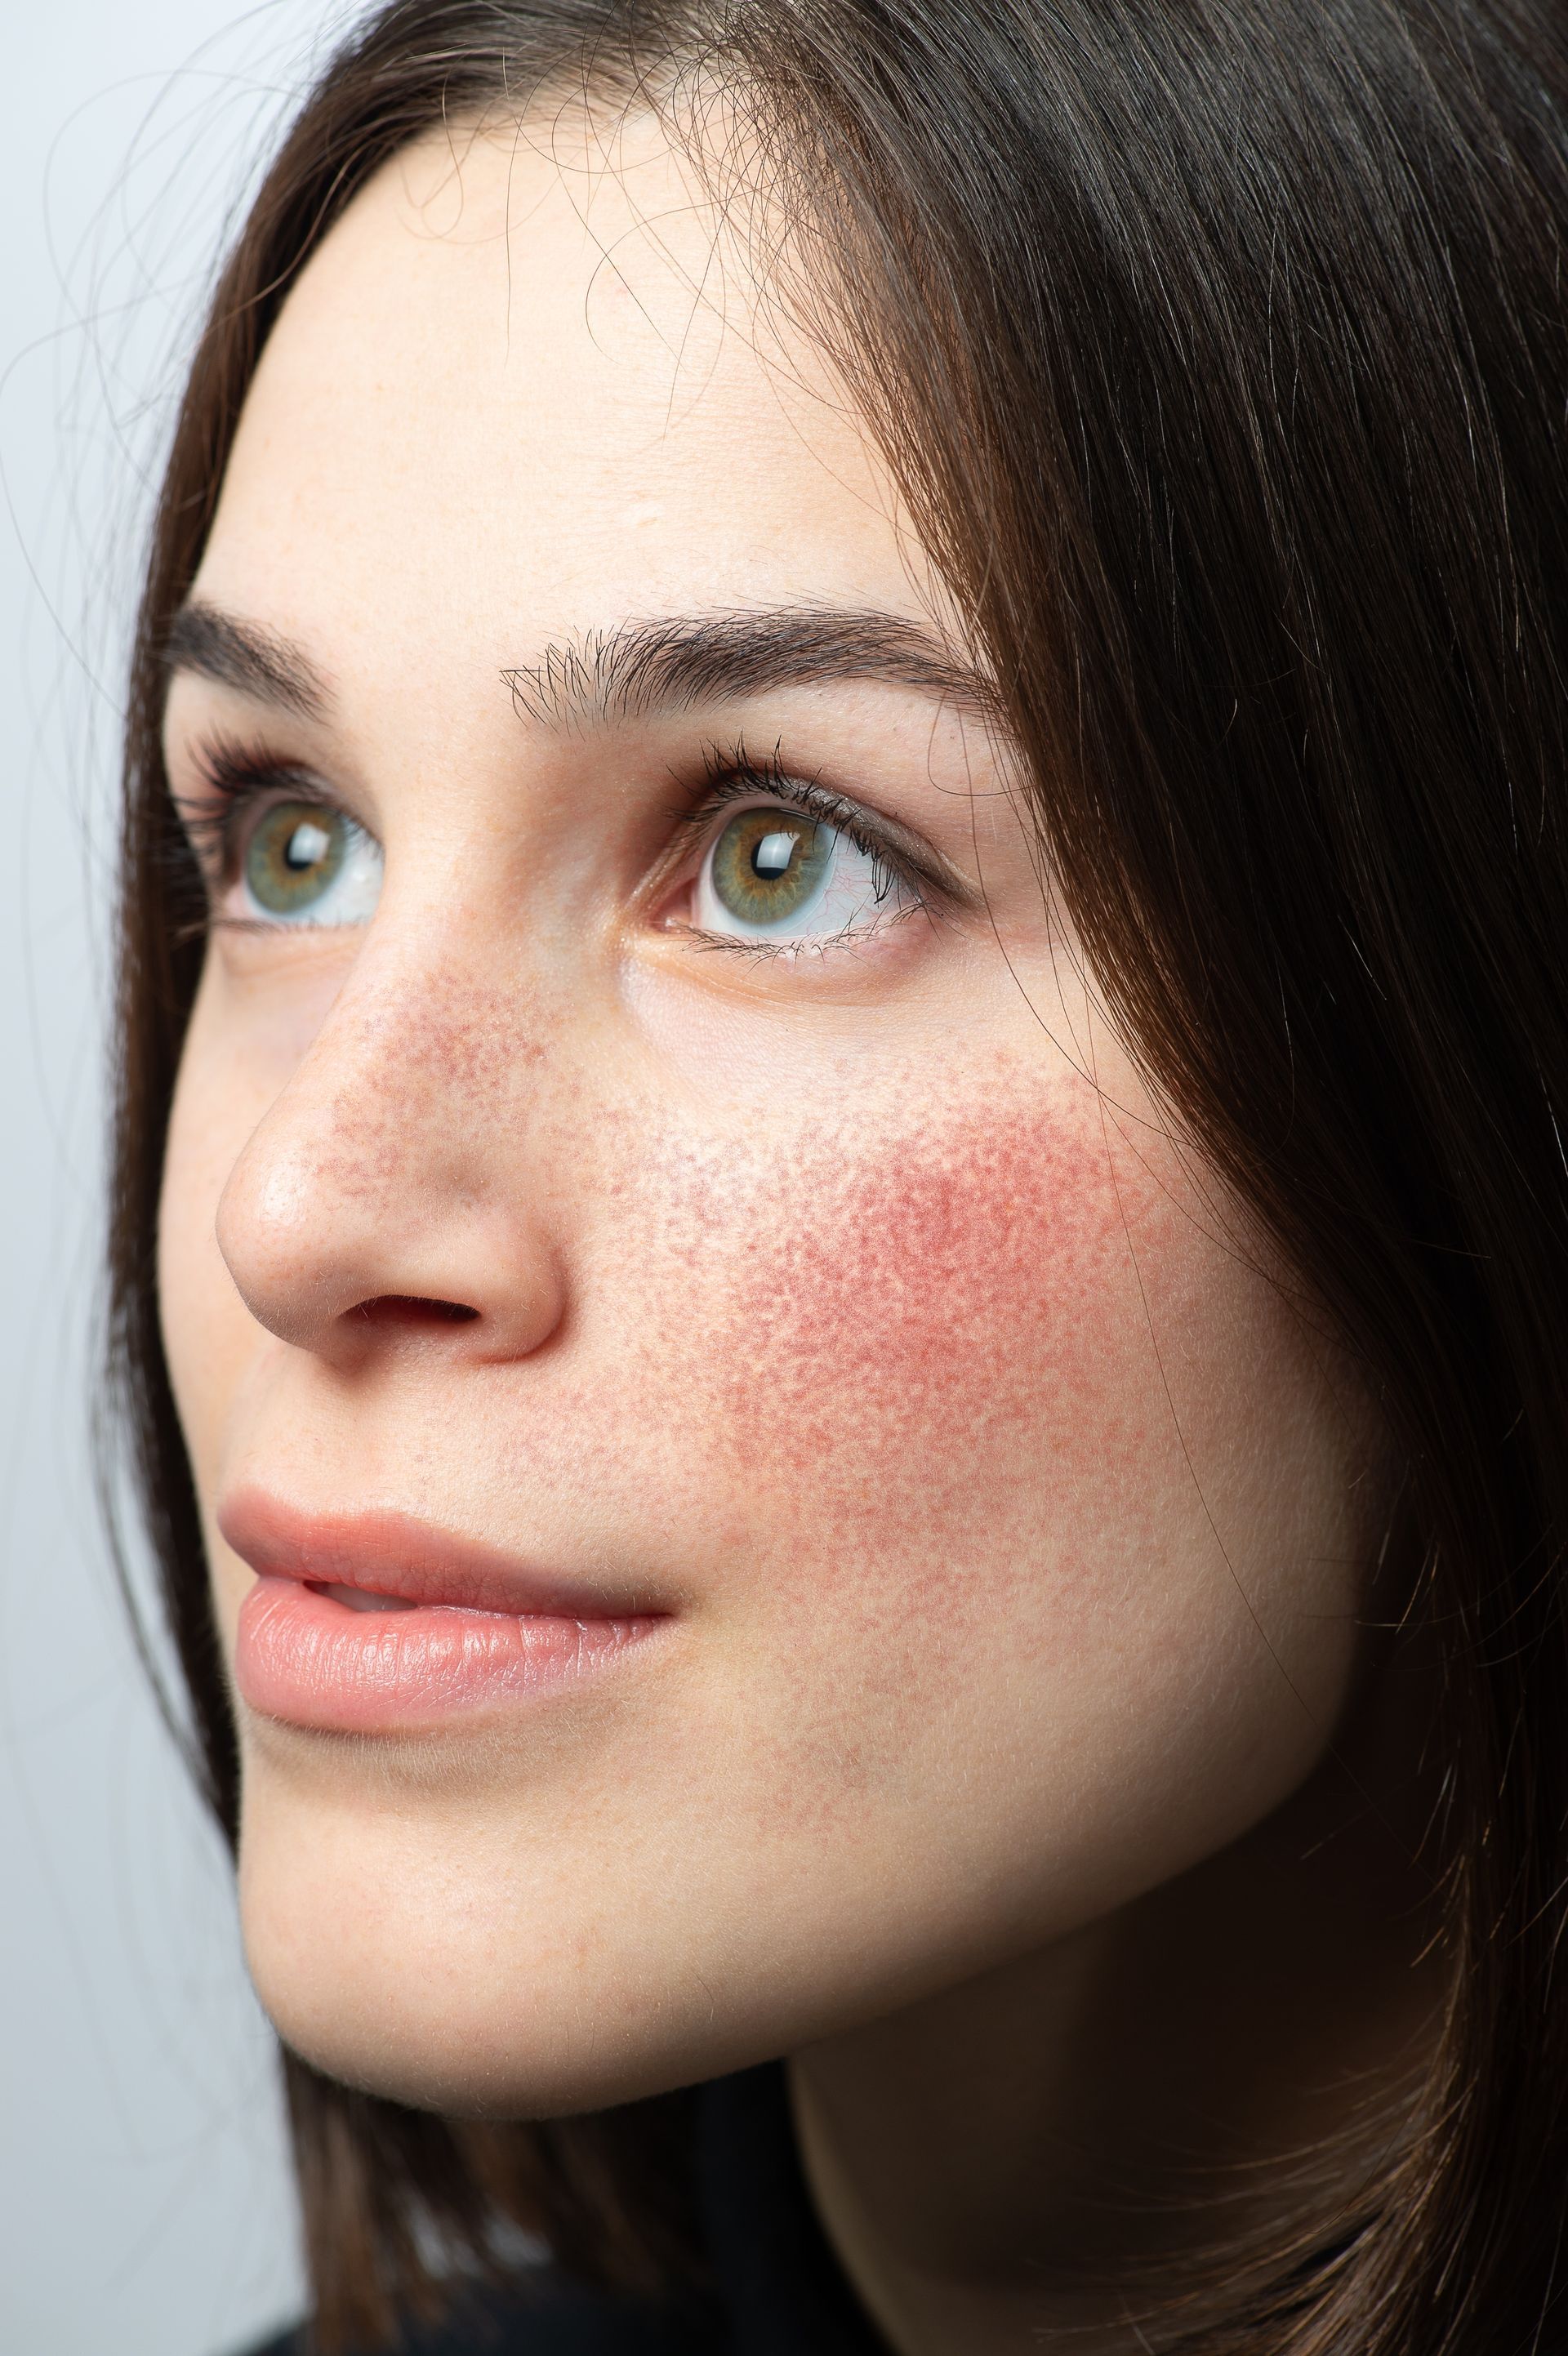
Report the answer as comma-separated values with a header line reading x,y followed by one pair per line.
x,y
546,2316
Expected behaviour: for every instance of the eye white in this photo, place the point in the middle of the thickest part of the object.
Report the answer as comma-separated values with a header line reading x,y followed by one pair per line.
x,y
351,896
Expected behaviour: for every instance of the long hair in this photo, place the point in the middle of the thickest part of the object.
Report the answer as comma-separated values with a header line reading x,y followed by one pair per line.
x,y
1219,347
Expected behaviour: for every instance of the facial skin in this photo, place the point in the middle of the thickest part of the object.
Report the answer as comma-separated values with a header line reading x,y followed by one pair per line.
x,y
853,1306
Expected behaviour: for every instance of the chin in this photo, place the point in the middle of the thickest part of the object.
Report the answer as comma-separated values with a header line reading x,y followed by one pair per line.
x,y
390,1956
566,2044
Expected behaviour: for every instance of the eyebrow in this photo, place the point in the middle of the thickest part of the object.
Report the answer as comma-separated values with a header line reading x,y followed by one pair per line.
x,y
673,664
257,661
665,664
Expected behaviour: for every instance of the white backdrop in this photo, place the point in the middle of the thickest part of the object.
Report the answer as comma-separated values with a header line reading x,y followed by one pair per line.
x,y
144,2199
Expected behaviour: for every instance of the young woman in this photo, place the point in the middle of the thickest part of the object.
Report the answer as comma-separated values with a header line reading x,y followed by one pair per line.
x,y
845,1056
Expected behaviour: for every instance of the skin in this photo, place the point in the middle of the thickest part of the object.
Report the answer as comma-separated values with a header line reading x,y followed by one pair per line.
x,y
861,1309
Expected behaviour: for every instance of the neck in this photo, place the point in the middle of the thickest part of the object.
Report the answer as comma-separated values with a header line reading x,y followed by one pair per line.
x,y
1227,2062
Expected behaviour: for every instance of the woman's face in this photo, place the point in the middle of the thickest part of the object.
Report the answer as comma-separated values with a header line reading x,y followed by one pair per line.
x,y
650,1199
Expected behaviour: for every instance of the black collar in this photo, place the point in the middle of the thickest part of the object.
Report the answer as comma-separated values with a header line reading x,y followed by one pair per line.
x,y
782,2290
777,2290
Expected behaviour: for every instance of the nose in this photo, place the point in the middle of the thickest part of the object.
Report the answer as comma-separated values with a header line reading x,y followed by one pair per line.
x,y
391,1193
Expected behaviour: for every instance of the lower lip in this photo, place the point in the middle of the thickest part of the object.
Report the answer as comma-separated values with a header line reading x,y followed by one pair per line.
x,y
304,1658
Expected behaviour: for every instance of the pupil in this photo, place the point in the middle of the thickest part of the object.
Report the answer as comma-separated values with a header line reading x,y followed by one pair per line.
x,y
773,853
308,846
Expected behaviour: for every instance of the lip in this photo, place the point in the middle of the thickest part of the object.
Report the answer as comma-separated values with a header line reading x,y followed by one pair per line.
x,y
464,1628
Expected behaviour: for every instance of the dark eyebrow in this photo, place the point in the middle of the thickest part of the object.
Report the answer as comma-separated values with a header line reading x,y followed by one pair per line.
x,y
676,662
257,661
665,664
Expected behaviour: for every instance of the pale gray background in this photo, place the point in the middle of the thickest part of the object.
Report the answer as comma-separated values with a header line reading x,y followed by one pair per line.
x,y
143,2200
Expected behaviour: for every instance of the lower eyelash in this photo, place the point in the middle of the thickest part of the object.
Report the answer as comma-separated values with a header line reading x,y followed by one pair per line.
x,y
750,945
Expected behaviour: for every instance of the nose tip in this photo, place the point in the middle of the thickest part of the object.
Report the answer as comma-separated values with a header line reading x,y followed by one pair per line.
x,y
416,1246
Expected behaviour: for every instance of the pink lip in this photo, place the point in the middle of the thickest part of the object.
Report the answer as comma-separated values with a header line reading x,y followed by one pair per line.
x,y
469,1627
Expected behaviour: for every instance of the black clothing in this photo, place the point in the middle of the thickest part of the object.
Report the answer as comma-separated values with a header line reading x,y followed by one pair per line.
x,y
779,2290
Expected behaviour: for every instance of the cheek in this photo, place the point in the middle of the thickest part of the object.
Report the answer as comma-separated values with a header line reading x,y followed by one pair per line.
x,y
940,1294
982,1418
908,1349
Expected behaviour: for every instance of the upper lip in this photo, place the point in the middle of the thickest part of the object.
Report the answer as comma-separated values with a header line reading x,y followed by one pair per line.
x,y
390,1553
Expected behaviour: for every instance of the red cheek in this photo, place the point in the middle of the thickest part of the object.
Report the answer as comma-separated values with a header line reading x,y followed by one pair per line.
x,y
831,1369
910,1390
930,1289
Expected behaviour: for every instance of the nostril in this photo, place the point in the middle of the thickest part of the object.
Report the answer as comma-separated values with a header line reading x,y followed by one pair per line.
x,y
408,1309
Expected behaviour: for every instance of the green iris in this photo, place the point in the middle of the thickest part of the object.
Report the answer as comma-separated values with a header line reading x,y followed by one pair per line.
x,y
769,864
293,857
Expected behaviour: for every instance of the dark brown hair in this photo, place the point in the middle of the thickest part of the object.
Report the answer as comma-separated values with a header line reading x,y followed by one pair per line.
x,y
1220,347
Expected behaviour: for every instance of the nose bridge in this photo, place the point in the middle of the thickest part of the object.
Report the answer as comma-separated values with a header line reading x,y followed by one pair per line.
x,y
393,1163
409,1070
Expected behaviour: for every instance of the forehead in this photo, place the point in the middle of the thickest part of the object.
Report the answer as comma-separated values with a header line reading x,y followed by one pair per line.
x,y
526,386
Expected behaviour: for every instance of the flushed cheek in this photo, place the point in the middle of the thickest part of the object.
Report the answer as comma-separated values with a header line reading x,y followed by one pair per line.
x,y
936,1292
965,1419
926,1256
917,1342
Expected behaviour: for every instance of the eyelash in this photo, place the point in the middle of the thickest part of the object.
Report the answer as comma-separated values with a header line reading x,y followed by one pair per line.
x,y
235,776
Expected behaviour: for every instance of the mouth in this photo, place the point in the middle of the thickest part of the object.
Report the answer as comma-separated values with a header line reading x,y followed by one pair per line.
x,y
366,1622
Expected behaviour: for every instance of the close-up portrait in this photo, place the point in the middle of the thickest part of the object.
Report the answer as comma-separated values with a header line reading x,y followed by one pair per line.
x,y
813,1118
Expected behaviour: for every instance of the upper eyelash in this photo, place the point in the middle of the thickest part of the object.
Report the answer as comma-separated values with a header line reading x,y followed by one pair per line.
x,y
232,776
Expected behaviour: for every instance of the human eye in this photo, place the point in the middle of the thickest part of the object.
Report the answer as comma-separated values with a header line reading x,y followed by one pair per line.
x,y
277,850
306,862
787,865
